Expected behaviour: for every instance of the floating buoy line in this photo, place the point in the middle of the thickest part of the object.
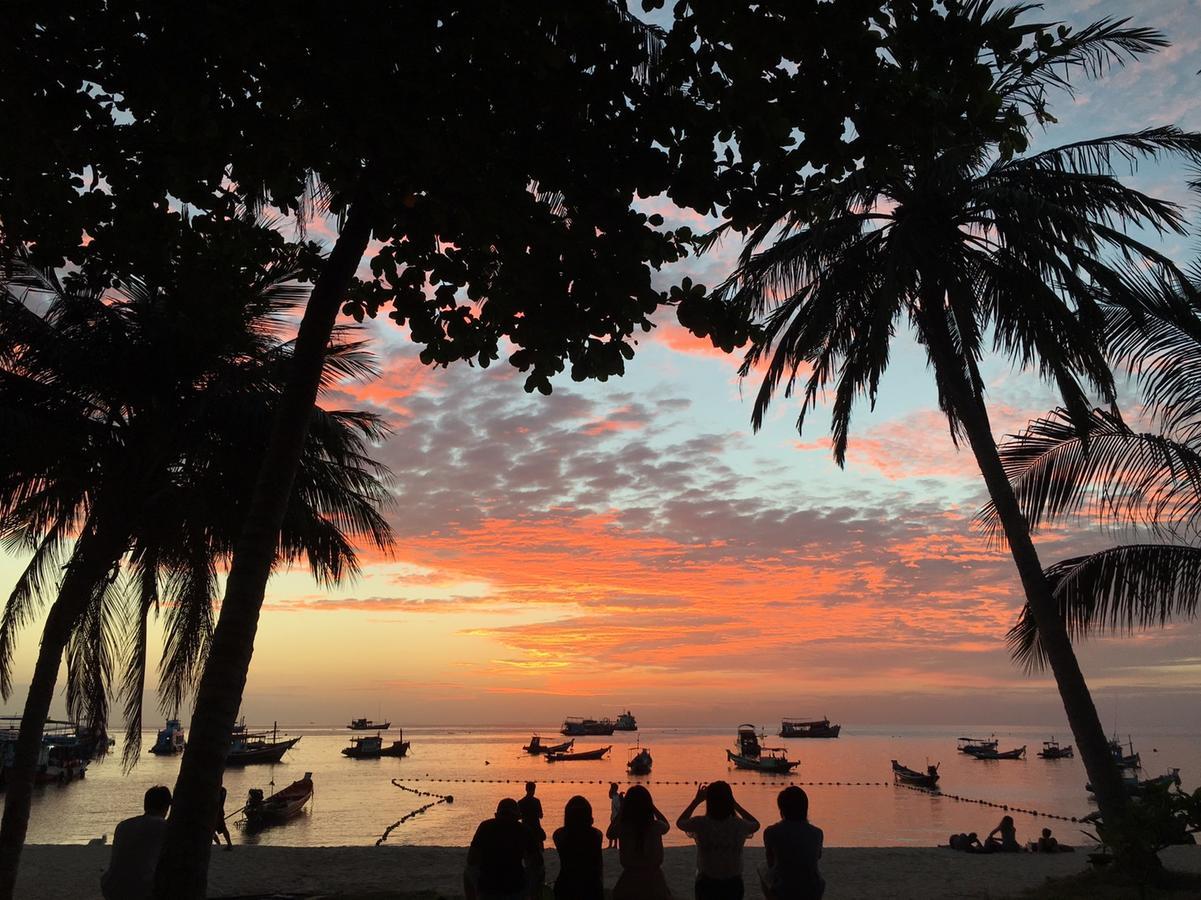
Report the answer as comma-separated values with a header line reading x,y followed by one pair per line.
x,y
779,783
438,798
1008,807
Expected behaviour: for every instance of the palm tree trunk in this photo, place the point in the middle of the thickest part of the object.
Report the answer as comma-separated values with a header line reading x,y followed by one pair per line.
x,y
95,554
1077,701
183,865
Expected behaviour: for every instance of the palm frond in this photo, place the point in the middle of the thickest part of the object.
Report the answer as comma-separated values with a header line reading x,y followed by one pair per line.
x,y
1118,590
1118,477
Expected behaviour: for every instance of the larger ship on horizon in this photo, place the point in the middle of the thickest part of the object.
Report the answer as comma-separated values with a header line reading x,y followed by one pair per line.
x,y
574,726
808,728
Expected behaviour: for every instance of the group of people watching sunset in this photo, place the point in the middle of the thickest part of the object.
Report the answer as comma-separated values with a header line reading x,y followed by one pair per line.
x,y
505,860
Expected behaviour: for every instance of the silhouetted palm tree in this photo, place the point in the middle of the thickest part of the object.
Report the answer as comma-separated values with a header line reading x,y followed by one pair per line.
x,y
968,246
142,411
1123,479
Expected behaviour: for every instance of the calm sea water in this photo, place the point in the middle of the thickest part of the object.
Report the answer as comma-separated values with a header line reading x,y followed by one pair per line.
x,y
355,801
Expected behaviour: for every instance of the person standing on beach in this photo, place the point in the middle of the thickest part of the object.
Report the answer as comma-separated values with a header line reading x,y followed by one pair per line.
x,y
615,799
531,818
581,864
220,828
719,835
136,844
793,848
638,829
500,856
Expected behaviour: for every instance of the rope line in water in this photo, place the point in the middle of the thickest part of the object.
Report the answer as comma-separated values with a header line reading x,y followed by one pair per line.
x,y
1008,807
770,784
439,798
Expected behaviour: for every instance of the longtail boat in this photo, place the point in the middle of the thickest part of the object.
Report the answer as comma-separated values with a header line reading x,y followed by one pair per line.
x,y
535,746
251,748
1139,788
1016,753
1125,760
583,755
770,760
808,728
1052,750
262,811
905,775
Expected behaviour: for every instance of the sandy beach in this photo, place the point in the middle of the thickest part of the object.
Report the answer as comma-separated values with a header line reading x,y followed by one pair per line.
x,y
851,873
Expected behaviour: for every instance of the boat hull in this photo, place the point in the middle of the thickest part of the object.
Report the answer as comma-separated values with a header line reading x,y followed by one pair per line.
x,y
808,730
538,749
578,757
269,753
911,777
771,765
398,749
281,806
1018,753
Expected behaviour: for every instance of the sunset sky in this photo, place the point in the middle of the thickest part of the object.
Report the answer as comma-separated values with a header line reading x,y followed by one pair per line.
x,y
634,544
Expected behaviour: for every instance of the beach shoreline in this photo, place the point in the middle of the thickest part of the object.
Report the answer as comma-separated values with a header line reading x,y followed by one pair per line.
x,y
899,873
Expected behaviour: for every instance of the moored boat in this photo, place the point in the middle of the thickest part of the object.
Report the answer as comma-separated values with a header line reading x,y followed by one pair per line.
x,y
808,728
626,722
1138,788
398,748
972,745
574,726
1052,750
253,748
1125,760
1016,753
367,725
599,753
770,760
262,811
170,740
364,747
640,763
905,775
63,756
535,746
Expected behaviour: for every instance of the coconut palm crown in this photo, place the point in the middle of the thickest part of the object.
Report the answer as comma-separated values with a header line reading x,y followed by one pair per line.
x,y
164,388
975,245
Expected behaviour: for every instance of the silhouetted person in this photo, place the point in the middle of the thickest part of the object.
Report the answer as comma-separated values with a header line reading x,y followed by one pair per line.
x,y
793,848
615,799
1048,844
968,842
136,843
638,829
499,857
531,818
719,835
220,828
1008,841
581,865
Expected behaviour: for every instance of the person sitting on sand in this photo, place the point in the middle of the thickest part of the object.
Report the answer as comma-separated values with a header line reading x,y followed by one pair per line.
x,y
719,835
1008,842
1048,844
638,829
500,856
968,842
136,843
793,848
615,798
581,865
